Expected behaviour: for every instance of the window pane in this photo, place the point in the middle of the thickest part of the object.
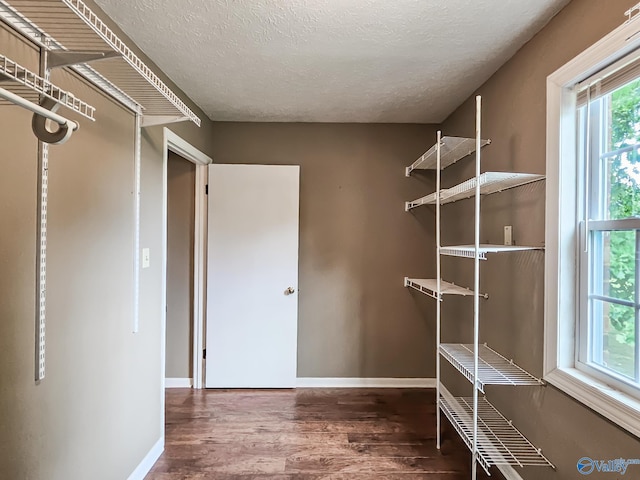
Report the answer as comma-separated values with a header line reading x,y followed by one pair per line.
x,y
622,170
613,264
609,143
625,115
613,337
622,191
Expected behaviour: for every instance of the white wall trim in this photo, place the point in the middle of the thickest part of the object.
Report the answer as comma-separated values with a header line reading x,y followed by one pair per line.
x,y
148,461
163,281
176,144
617,406
199,273
178,383
171,141
561,237
350,382
183,148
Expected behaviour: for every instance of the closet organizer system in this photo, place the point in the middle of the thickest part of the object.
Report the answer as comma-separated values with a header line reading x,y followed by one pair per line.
x,y
71,36
492,439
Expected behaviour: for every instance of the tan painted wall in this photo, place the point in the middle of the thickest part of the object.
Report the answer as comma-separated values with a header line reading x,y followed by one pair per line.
x,y
514,109
97,413
181,178
356,242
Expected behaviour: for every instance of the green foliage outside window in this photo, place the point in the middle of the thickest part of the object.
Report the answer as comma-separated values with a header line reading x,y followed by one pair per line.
x,y
623,202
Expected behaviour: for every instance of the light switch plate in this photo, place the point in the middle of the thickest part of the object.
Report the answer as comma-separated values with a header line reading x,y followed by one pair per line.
x,y
146,261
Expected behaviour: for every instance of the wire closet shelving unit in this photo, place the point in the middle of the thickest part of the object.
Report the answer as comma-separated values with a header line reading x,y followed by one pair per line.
x,y
71,36
491,438
77,38
31,86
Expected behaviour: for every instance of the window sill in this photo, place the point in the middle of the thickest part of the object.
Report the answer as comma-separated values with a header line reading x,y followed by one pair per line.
x,y
620,408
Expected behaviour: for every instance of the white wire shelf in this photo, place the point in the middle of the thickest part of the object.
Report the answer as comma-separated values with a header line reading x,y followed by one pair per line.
x,y
493,368
499,442
490,182
452,149
30,86
71,26
468,251
429,286
430,199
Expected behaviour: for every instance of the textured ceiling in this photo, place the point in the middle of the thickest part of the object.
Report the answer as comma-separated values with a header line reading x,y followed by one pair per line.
x,y
408,61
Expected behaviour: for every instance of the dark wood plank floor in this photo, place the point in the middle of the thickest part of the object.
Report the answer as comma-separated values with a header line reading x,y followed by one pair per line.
x,y
310,434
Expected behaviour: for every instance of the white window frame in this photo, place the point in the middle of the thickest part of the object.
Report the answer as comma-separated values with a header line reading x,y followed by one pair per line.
x,y
595,209
561,275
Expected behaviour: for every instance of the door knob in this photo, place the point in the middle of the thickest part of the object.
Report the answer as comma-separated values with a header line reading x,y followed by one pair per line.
x,y
290,291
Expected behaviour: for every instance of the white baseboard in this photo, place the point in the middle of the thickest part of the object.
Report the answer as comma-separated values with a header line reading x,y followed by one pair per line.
x,y
317,382
178,383
148,461
509,472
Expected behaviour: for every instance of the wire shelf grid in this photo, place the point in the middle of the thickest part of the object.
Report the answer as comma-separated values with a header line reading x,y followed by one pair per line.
x,y
490,182
498,442
452,149
429,286
493,368
72,26
28,84
468,251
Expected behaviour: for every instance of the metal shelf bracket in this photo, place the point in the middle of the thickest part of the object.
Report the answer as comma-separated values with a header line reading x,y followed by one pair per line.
x,y
154,120
66,58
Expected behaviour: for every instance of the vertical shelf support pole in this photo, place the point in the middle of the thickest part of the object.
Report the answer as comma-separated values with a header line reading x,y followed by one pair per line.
x,y
41,235
136,223
476,289
439,289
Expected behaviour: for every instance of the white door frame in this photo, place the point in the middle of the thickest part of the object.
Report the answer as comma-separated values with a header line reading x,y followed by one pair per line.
x,y
176,144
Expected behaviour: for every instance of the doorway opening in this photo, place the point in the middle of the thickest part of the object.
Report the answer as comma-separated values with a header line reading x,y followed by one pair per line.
x,y
181,183
184,167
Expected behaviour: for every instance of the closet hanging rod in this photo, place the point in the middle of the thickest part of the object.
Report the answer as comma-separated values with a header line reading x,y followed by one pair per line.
x,y
37,109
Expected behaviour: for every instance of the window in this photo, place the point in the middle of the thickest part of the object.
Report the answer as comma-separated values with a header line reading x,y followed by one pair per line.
x,y
608,316
592,237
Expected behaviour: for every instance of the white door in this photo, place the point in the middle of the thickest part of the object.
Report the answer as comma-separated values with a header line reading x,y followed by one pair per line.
x,y
252,276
